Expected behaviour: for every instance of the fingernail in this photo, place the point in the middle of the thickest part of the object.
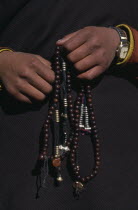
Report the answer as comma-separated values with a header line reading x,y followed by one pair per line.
x,y
60,40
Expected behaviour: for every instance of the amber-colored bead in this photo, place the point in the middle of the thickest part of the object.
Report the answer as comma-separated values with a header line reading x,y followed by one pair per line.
x,y
56,162
55,100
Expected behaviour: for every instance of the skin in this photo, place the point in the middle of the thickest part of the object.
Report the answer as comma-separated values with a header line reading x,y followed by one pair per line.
x,y
91,50
28,76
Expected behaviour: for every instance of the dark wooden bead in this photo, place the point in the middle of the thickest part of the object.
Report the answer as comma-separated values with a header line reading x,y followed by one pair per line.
x,y
73,164
49,116
83,180
68,81
71,110
98,158
76,125
68,76
57,63
47,121
69,96
46,125
71,105
52,108
41,157
97,140
78,177
76,134
92,175
50,112
90,105
57,82
97,149
77,172
97,145
88,178
97,167
57,52
57,86
75,147
57,91
73,154
96,137
77,111
68,90
46,135
44,153
89,100
68,85
97,163
78,102
95,172
56,95
70,102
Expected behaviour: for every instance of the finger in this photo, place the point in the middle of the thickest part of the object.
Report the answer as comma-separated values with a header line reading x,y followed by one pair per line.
x,y
23,98
44,61
65,38
30,91
87,63
43,71
39,83
80,53
76,41
92,73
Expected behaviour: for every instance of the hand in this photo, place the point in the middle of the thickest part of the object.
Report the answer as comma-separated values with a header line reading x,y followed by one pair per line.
x,y
26,76
91,50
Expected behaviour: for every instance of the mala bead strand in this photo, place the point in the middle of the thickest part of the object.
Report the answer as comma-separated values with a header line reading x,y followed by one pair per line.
x,y
80,115
79,180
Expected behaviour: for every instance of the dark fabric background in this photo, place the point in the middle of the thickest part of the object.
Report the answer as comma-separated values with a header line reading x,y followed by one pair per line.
x,y
34,26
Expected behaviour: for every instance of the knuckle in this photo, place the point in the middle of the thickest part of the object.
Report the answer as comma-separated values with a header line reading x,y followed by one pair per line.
x,y
34,62
24,72
71,57
68,46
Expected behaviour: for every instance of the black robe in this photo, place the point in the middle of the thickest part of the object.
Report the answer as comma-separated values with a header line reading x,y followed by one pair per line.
x,y
34,26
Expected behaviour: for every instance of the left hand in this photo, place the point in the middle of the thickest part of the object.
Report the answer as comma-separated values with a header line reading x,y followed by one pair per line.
x,y
91,50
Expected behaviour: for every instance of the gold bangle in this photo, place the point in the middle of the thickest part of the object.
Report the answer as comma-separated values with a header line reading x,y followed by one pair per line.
x,y
131,40
5,49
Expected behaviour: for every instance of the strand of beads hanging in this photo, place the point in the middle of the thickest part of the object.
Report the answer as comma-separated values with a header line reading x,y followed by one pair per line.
x,y
89,128
80,117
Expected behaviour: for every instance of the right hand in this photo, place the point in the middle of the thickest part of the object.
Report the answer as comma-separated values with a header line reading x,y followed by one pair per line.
x,y
26,76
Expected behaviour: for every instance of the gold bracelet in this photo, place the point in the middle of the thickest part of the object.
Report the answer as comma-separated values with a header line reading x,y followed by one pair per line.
x,y
131,40
2,50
